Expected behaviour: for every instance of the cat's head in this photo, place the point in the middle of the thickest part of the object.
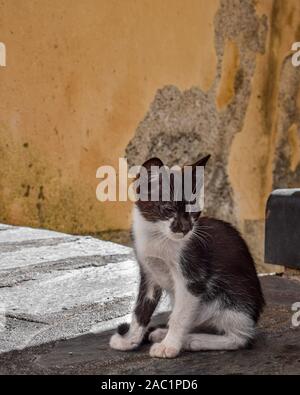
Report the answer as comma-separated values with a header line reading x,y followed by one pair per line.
x,y
169,212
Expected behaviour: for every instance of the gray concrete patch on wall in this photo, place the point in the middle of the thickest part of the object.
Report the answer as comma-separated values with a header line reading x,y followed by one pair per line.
x,y
181,126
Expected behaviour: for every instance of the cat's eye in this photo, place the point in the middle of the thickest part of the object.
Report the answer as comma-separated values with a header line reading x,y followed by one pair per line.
x,y
166,211
195,215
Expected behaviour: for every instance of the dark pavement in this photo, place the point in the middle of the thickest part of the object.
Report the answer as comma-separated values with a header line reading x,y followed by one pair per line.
x,y
276,350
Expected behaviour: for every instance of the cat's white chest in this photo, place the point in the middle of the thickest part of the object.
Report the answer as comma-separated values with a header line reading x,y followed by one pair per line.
x,y
158,256
157,263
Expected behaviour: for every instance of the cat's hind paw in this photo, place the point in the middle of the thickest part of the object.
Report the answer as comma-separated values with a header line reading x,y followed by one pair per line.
x,y
123,343
161,350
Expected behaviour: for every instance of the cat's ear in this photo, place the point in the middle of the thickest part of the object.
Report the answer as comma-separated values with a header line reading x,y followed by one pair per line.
x,y
202,161
197,179
152,167
152,162
152,175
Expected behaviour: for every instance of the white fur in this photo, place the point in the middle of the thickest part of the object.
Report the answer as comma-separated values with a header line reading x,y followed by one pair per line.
x,y
201,342
131,340
157,249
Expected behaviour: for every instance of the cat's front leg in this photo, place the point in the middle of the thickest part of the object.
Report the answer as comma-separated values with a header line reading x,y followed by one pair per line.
x,y
180,323
130,336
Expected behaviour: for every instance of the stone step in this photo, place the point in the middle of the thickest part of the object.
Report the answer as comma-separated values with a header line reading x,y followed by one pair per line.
x,y
56,286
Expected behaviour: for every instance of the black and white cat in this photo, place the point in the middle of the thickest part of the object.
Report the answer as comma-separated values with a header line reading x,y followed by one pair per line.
x,y
206,268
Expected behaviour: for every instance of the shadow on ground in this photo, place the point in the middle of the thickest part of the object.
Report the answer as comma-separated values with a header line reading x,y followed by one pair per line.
x,y
276,350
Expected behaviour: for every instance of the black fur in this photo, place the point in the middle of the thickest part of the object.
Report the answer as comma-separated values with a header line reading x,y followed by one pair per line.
x,y
217,264
123,329
144,306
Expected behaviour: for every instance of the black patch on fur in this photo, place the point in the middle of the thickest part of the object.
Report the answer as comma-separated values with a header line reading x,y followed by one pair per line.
x,y
218,266
145,307
123,329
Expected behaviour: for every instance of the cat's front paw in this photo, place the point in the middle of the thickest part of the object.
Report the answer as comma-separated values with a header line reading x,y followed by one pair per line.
x,y
123,343
162,350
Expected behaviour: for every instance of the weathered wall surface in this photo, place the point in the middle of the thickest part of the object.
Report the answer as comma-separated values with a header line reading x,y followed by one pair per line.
x,y
87,82
80,76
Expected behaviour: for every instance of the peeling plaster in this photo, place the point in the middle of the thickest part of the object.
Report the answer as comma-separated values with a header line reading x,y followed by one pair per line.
x,y
180,126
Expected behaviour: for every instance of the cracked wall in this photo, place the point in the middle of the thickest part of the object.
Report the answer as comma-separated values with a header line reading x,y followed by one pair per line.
x,y
175,79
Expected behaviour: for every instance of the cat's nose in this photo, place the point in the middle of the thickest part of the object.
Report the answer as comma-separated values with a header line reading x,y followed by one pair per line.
x,y
175,227
185,229
180,227
185,226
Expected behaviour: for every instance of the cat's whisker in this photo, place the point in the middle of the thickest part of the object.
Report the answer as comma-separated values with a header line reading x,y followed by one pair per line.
x,y
201,240
202,232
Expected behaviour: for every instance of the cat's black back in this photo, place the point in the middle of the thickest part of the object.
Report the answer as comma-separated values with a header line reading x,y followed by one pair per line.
x,y
218,266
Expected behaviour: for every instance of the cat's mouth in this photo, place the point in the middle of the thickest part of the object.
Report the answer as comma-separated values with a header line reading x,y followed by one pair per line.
x,y
178,236
165,228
